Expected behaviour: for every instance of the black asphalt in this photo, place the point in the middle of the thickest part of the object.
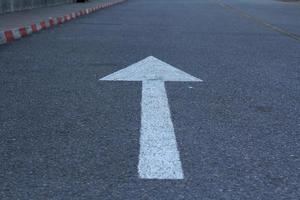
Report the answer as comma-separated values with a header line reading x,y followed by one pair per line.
x,y
65,135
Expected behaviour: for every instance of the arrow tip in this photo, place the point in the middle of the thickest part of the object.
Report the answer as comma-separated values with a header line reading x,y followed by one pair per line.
x,y
150,68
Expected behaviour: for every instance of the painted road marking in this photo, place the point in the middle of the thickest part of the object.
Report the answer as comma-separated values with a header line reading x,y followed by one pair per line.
x,y
159,156
259,21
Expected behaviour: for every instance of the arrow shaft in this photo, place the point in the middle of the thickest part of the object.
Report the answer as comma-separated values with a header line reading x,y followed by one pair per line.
x,y
159,157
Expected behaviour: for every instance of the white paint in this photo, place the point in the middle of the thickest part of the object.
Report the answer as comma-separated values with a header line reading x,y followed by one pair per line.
x,y
38,26
159,156
16,33
150,68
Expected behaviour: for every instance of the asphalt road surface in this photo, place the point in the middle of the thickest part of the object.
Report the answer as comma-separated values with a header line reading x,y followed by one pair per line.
x,y
64,134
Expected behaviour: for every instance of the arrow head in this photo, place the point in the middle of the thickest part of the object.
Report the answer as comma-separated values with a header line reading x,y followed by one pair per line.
x,y
150,68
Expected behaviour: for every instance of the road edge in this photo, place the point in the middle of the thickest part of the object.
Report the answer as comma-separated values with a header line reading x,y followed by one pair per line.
x,y
10,35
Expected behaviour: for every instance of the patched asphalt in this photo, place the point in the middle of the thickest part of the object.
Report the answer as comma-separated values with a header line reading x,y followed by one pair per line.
x,y
66,135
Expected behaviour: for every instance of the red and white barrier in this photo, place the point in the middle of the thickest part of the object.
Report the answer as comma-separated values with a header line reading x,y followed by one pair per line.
x,y
11,35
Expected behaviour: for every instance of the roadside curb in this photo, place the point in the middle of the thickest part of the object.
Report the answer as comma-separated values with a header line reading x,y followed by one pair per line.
x,y
11,35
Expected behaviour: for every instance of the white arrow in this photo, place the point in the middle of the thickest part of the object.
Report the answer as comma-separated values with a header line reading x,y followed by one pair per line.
x,y
159,157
